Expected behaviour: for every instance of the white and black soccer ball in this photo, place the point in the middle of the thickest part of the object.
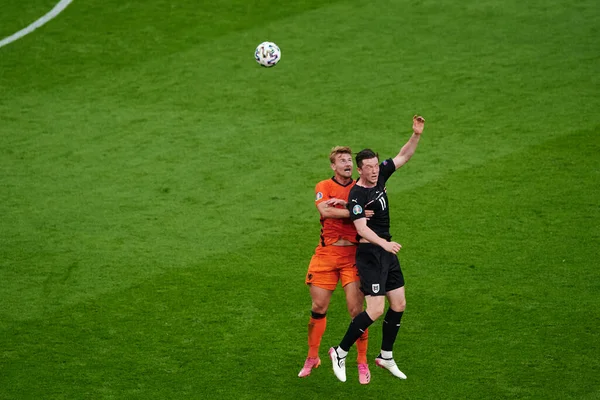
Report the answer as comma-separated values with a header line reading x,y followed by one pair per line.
x,y
267,54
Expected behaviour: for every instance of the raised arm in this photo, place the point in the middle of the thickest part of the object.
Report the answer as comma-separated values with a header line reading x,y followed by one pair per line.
x,y
409,148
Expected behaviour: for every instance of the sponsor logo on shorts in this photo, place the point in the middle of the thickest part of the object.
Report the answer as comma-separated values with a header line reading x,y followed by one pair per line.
x,y
319,196
310,277
357,210
375,288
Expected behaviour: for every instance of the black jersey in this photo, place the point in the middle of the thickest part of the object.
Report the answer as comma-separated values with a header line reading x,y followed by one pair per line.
x,y
375,198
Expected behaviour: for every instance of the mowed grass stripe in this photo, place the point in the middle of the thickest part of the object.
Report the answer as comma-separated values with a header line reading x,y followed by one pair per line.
x,y
480,282
107,239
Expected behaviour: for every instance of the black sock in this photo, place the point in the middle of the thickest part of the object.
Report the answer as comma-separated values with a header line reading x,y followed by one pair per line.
x,y
391,325
315,315
357,327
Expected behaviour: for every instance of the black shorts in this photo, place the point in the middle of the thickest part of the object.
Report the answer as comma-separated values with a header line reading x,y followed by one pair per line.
x,y
378,269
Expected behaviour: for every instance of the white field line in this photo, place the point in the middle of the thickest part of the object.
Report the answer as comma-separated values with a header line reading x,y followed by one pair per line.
x,y
62,4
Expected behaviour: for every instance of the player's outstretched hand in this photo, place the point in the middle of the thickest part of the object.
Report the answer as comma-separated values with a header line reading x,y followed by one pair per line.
x,y
418,124
392,247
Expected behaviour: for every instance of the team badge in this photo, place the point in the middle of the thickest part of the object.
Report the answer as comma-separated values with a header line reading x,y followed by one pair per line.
x,y
319,196
357,210
375,288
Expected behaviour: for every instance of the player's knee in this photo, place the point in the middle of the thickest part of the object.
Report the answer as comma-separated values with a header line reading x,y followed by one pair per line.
x,y
402,306
319,308
375,311
399,306
375,314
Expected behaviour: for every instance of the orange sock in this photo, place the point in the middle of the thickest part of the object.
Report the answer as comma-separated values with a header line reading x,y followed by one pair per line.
x,y
361,346
316,329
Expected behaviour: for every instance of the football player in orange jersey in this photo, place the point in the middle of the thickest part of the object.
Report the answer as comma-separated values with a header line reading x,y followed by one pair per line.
x,y
334,261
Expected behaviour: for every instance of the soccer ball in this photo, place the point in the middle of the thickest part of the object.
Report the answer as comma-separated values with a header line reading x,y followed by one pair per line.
x,y
267,54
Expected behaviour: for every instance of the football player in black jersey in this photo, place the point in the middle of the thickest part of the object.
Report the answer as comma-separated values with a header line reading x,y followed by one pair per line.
x,y
376,259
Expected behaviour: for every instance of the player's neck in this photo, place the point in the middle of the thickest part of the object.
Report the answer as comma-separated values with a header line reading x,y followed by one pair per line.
x,y
365,184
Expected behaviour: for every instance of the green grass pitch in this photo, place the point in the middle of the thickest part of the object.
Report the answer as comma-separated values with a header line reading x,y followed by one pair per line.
x,y
156,195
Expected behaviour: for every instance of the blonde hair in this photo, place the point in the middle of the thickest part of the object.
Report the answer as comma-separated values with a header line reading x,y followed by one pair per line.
x,y
338,150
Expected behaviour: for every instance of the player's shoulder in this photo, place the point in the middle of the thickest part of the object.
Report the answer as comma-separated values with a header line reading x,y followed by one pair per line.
x,y
387,167
332,183
357,192
358,188
326,183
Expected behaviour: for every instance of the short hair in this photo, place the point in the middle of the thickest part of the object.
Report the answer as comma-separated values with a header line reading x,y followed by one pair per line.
x,y
365,154
339,150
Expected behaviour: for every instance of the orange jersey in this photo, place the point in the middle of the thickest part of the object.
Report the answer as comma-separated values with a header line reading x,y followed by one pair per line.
x,y
334,229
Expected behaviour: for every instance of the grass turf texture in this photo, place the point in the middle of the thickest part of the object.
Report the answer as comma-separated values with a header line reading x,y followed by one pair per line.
x,y
157,205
